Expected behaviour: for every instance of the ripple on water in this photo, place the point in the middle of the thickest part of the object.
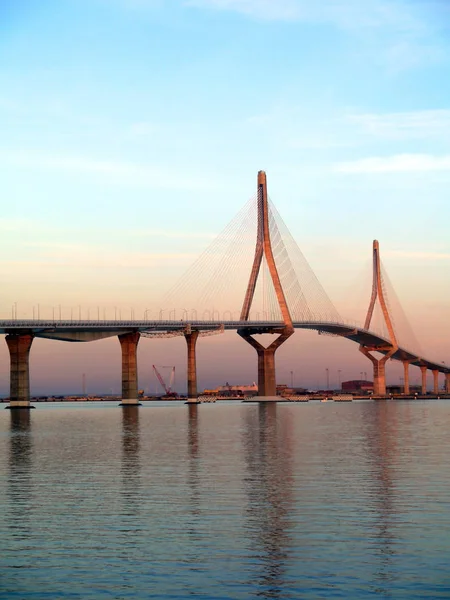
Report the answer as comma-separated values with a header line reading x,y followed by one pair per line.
x,y
226,501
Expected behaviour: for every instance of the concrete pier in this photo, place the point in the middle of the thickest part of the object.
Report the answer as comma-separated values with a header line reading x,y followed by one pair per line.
x,y
435,381
19,346
379,371
424,379
406,364
267,387
191,340
447,383
128,344
379,377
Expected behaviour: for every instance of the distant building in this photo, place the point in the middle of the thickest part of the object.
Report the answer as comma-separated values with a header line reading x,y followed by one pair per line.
x,y
228,390
284,390
357,386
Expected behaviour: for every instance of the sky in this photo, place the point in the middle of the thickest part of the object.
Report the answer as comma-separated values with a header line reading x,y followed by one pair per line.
x,y
132,132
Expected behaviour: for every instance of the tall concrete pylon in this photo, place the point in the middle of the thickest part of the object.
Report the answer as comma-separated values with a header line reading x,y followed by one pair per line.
x,y
129,343
19,346
379,364
266,356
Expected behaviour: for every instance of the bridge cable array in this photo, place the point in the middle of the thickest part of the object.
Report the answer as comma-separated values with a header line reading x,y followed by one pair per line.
x,y
214,287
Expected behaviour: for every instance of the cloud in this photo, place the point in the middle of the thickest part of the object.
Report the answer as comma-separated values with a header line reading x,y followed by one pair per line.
x,y
19,225
116,171
54,255
82,259
179,235
404,125
263,9
431,256
400,163
345,13
32,225
400,34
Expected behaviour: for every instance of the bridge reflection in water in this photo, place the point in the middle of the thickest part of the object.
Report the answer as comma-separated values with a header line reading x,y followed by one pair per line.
x,y
240,500
269,487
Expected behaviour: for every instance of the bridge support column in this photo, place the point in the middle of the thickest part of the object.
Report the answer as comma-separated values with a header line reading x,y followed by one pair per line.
x,y
128,344
379,371
423,370
191,340
406,364
19,351
267,387
447,383
435,381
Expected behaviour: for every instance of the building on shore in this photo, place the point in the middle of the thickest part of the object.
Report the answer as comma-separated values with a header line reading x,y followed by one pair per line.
x,y
357,386
285,390
232,391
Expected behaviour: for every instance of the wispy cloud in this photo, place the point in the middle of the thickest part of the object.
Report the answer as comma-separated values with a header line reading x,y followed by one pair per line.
x,y
404,125
117,171
428,256
400,163
404,35
291,128
31,226
15,225
345,13
262,9
84,260
178,235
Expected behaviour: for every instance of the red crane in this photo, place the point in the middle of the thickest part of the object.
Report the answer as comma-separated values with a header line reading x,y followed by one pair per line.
x,y
167,388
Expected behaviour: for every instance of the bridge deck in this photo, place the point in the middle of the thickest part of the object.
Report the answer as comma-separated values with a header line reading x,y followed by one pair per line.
x,y
91,330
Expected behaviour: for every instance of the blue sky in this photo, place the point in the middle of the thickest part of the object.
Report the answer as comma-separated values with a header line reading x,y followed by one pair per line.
x,y
132,132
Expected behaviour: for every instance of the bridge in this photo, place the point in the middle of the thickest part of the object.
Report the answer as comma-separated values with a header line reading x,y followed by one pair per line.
x,y
287,297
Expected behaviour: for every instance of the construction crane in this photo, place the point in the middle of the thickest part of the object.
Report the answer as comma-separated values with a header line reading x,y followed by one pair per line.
x,y
167,388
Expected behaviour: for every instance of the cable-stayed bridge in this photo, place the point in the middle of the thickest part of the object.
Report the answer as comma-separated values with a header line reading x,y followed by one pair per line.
x,y
256,263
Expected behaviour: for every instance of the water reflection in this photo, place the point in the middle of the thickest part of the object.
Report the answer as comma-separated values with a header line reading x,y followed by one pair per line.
x,y
193,475
269,490
20,472
131,466
381,431
193,430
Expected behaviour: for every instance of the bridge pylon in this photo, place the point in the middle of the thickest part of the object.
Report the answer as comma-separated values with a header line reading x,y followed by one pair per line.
x,y
19,346
129,343
266,356
379,364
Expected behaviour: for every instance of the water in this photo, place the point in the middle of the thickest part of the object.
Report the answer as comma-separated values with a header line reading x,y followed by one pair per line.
x,y
348,500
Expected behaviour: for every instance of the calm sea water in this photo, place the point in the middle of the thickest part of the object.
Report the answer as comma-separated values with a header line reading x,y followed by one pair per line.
x,y
226,501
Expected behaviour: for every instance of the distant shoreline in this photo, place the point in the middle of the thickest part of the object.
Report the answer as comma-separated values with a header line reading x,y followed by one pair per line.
x,y
206,399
